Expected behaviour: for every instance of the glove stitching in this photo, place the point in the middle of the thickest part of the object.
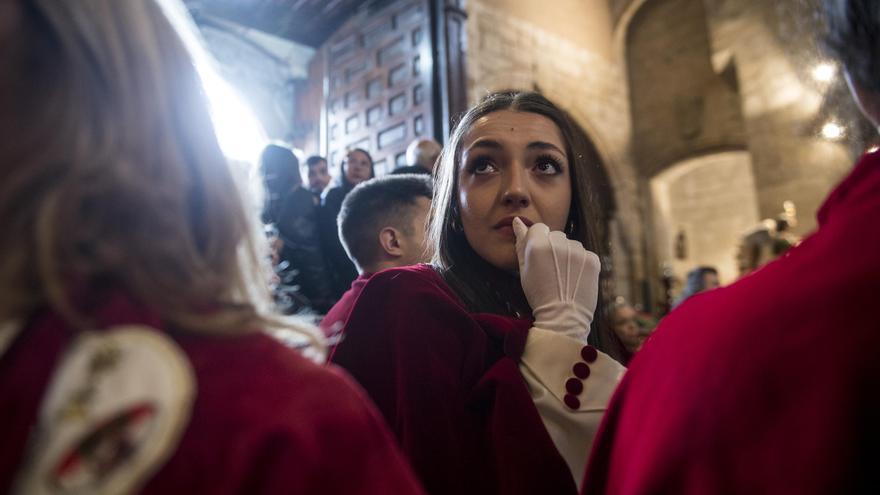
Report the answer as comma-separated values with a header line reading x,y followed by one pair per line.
x,y
556,267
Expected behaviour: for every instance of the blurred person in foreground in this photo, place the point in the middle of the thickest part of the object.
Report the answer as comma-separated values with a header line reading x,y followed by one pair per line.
x,y
769,385
131,293
382,225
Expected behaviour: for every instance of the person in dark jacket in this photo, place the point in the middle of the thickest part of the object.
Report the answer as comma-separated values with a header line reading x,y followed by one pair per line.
x,y
293,211
356,168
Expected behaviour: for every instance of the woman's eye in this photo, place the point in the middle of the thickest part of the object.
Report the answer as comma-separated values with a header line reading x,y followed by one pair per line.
x,y
483,166
548,166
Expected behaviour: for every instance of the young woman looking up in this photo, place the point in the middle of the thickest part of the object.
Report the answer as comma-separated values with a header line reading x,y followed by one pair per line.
x,y
478,361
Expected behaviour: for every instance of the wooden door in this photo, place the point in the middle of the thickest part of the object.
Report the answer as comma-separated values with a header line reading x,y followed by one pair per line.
x,y
378,83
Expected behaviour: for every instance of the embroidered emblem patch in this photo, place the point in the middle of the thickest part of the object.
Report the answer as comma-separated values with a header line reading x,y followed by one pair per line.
x,y
114,412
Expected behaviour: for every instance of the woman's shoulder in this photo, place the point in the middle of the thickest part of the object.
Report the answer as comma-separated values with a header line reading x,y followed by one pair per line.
x,y
260,363
258,394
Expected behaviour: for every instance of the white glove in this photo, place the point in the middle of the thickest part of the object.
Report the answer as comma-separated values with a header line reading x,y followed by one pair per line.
x,y
559,277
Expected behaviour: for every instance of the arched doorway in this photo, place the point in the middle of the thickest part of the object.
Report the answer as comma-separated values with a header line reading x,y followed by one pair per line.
x,y
701,208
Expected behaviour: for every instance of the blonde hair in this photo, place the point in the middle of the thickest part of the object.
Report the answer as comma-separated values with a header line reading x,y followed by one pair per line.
x,y
112,175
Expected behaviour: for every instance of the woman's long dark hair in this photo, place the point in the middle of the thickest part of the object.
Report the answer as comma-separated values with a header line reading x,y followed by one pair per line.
x,y
343,180
279,168
481,286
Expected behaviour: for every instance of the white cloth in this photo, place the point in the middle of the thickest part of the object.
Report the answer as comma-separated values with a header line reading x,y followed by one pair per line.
x,y
546,365
112,414
561,282
559,277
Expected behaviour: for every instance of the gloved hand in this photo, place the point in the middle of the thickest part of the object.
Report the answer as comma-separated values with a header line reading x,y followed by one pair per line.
x,y
559,277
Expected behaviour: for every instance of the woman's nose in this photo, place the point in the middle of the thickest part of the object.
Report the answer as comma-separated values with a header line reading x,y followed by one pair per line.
x,y
516,192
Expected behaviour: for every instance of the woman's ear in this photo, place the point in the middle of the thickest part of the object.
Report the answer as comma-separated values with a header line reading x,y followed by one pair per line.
x,y
389,239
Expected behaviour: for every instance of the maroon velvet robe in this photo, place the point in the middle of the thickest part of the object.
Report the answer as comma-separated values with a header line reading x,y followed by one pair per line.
x,y
448,384
264,420
335,319
770,385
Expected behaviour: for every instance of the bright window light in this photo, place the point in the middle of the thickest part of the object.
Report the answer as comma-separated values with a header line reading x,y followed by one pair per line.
x,y
832,130
824,72
239,132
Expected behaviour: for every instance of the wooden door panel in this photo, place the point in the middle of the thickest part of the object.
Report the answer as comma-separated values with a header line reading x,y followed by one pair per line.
x,y
379,80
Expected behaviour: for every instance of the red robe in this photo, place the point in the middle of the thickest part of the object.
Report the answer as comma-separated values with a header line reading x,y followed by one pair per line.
x,y
770,385
448,383
335,319
264,419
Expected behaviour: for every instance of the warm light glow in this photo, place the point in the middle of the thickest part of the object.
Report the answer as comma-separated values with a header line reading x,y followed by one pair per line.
x,y
832,131
824,72
239,132
873,149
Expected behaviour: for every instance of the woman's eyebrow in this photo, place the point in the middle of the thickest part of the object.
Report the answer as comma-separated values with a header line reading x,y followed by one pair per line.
x,y
486,143
542,145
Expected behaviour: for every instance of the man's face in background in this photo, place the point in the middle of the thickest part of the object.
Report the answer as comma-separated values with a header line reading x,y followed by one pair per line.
x,y
319,176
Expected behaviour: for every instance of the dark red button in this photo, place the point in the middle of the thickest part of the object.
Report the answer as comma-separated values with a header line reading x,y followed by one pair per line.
x,y
589,353
574,386
572,402
581,370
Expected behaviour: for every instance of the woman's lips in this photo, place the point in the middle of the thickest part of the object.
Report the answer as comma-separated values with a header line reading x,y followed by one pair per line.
x,y
505,225
507,222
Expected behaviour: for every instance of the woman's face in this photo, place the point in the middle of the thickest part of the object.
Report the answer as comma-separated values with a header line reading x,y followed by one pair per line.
x,y
627,329
511,164
357,167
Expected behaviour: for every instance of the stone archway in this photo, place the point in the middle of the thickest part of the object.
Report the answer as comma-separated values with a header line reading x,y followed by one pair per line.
x,y
702,207
616,248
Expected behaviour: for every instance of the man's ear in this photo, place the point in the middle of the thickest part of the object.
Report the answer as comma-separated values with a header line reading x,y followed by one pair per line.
x,y
389,239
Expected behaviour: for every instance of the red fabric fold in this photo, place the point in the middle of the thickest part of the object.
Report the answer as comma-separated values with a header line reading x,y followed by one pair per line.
x,y
448,383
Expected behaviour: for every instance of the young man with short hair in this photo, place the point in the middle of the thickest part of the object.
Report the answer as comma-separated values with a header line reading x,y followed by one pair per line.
x,y
381,225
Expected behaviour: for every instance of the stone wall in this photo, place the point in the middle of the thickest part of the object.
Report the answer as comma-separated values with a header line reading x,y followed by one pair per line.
x,y
774,48
744,67
680,106
702,208
506,51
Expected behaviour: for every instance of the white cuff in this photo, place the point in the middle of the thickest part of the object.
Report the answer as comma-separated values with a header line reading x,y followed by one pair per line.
x,y
558,362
